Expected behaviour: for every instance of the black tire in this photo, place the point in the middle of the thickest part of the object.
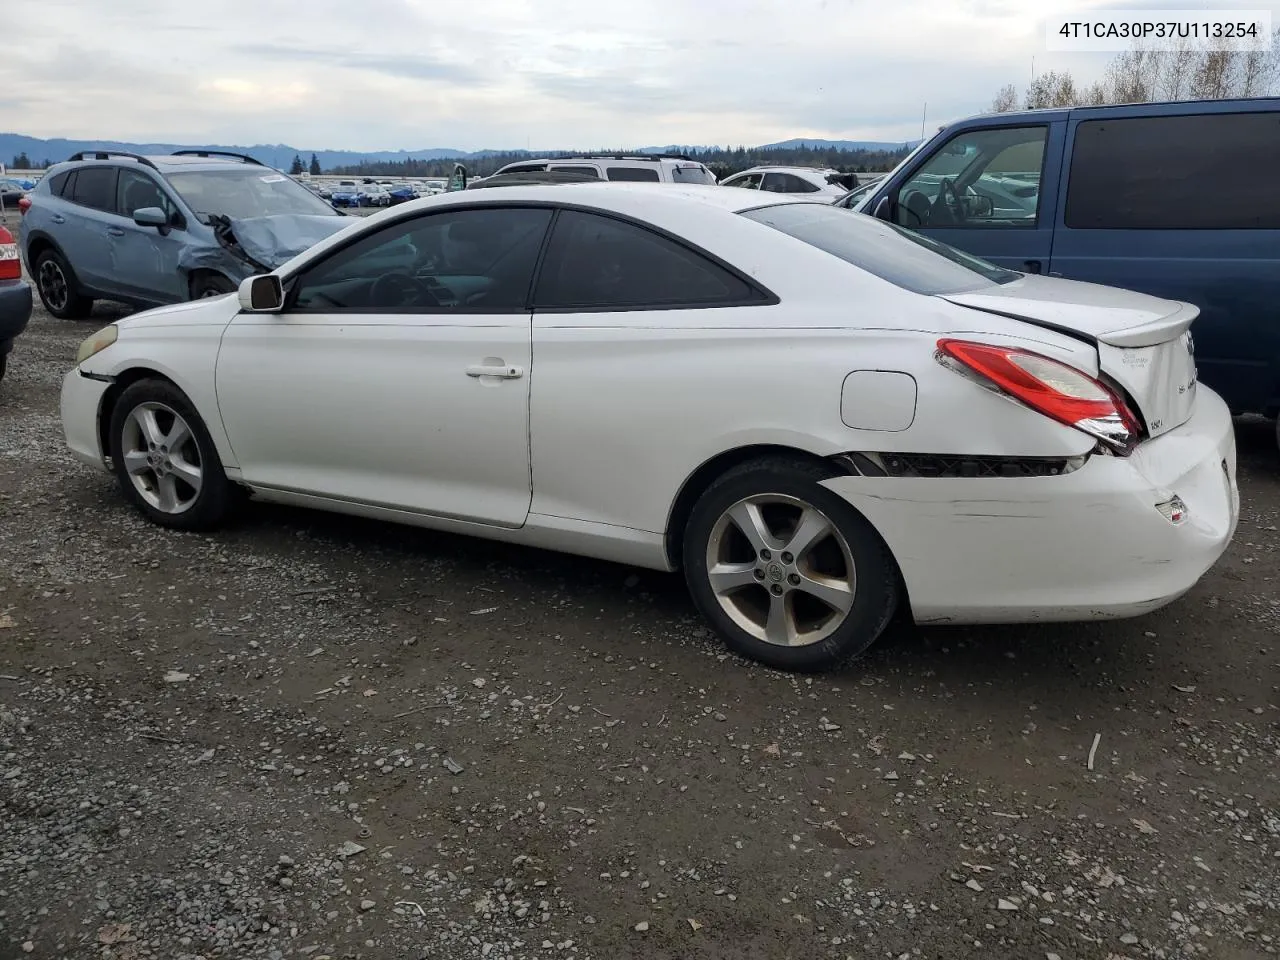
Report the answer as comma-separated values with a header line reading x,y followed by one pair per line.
x,y
217,496
876,584
59,289
210,285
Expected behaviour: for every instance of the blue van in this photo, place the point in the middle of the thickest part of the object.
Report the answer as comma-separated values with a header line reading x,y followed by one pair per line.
x,y
1179,200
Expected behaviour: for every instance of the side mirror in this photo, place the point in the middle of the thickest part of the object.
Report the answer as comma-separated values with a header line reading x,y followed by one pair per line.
x,y
150,217
881,212
261,294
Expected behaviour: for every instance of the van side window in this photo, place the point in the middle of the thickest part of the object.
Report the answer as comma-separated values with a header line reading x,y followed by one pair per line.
x,y
1204,172
985,179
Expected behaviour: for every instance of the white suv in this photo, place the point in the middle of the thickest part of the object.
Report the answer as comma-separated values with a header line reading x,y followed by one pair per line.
x,y
817,182
654,168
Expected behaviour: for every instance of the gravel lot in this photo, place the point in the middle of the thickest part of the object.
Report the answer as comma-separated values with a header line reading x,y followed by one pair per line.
x,y
321,737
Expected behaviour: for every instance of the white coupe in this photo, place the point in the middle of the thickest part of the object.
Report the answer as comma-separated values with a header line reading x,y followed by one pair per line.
x,y
819,417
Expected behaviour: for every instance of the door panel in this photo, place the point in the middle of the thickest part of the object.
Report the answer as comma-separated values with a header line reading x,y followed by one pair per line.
x,y
144,261
381,409
83,237
1012,166
399,372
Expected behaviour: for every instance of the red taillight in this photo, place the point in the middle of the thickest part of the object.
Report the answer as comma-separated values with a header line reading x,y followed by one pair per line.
x,y
1058,391
24,204
10,265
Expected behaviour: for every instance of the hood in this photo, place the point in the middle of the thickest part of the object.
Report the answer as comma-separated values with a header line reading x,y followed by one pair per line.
x,y
272,241
1121,318
1144,343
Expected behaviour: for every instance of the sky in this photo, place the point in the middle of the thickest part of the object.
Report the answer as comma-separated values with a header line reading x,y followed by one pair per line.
x,y
495,74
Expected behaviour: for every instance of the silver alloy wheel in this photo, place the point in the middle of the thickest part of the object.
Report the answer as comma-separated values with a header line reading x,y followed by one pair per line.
x,y
781,570
162,458
53,285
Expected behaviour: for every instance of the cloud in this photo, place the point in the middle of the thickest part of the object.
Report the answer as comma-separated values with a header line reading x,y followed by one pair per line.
x,y
411,74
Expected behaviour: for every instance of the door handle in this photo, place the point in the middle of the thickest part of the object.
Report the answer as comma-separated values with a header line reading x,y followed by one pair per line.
x,y
495,370
115,231
1033,266
59,218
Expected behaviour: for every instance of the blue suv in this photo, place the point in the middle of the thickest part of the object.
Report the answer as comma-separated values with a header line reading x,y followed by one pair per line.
x,y
148,231
1178,200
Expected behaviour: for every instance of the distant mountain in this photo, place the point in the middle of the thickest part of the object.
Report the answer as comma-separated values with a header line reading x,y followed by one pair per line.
x,y
281,155
800,144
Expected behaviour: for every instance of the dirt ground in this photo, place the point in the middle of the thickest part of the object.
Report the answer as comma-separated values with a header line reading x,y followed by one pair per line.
x,y
321,737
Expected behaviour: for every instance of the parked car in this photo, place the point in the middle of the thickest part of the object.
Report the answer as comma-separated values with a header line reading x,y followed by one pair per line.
x,y
526,178
373,195
152,230
15,298
652,168
345,194
403,193
11,192
1173,199
828,183
925,408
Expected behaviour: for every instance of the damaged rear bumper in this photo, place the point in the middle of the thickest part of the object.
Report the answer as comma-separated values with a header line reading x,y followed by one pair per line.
x,y
1091,543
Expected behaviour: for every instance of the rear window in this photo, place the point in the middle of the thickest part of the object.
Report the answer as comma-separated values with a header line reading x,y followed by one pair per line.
x,y
638,174
902,257
1206,172
691,173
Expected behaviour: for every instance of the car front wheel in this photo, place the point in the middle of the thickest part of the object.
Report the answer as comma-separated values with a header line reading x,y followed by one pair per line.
x,y
165,460
788,572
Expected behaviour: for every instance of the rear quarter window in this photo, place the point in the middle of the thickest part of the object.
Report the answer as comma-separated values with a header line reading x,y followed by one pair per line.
x,y
902,257
1200,172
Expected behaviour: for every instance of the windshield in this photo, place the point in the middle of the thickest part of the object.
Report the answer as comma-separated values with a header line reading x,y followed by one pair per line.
x,y
900,256
692,173
241,194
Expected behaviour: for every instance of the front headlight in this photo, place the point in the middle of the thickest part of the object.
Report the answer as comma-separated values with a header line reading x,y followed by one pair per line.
x,y
99,341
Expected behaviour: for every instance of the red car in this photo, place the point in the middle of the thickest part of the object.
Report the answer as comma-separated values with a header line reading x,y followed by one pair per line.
x,y
15,297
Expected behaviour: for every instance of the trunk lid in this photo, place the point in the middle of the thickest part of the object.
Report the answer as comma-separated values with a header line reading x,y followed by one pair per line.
x,y
1144,343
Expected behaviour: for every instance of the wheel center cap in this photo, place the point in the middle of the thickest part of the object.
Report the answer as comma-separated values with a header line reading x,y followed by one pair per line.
x,y
774,572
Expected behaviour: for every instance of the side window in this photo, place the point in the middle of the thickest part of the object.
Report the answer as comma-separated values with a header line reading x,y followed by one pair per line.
x,y
600,263
636,174
478,261
95,187
136,190
787,183
1205,172
749,181
526,168
582,169
57,183
987,179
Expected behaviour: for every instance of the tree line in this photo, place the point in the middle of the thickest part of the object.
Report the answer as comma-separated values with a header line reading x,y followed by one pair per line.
x,y
1141,75
723,162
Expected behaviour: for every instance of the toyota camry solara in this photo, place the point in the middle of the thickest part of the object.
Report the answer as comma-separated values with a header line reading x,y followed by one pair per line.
x,y
819,418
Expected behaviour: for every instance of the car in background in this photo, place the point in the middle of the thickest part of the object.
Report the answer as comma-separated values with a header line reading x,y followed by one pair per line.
x,y
930,408
345,194
11,193
642,168
403,193
373,195
1174,199
15,298
831,184
107,225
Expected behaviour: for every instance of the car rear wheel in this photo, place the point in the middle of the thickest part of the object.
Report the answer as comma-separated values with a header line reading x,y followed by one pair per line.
x,y
788,572
58,289
165,460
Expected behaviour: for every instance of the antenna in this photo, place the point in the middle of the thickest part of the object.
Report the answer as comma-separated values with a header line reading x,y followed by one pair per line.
x,y
923,114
